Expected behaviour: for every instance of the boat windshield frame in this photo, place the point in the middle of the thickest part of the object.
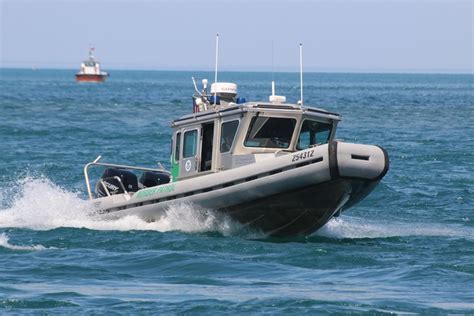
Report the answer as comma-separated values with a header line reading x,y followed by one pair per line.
x,y
272,142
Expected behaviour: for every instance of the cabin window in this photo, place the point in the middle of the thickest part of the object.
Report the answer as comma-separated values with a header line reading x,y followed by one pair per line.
x,y
177,147
313,133
207,144
270,132
228,131
189,144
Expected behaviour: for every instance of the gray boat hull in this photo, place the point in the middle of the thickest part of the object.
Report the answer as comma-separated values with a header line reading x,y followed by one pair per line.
x,y
302,211
288,195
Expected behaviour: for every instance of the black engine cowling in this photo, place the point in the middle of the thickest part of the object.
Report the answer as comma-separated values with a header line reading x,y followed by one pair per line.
x,y
154,178
109,179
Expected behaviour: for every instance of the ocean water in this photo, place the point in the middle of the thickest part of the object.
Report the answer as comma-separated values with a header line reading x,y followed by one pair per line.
x,y
407,248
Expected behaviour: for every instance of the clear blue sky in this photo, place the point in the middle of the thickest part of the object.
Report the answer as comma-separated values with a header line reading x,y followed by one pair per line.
x,y
366,36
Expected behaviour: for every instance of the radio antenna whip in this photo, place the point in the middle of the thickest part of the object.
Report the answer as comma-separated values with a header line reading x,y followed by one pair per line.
x,y
301,74
273,63
273,73
215,73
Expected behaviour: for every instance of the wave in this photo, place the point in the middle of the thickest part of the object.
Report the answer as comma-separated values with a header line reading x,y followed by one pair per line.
x,y
4,242
355,228
39,204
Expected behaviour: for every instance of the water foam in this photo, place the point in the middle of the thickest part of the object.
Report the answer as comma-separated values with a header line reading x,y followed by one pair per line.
x,y
4,242
352,227
39,204
42,205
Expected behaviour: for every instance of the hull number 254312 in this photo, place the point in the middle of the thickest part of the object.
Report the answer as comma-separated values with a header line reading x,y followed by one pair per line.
x,y
303,155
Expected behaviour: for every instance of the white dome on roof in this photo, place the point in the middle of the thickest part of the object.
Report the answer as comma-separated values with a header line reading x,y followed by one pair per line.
x,y
224,88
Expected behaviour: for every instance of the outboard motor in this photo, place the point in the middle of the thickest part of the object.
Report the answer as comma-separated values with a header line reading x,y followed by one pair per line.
x,y
154,178
110,178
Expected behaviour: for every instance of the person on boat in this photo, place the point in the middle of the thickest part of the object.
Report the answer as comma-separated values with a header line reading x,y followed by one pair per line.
x,y
226,142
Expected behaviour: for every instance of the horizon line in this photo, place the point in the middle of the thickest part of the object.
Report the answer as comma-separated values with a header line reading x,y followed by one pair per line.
x,y
322,71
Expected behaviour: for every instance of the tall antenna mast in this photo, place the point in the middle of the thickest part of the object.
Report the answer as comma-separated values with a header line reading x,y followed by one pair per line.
x,y
215,74
301,74
273,73
273,64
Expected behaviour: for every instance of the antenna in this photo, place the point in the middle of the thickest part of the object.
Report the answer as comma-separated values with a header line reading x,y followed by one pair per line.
x,y
273,73
301,73
215,74
195,87
276,98
273,64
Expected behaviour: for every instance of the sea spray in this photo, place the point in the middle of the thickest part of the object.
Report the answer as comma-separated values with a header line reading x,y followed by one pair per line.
x,y
40,204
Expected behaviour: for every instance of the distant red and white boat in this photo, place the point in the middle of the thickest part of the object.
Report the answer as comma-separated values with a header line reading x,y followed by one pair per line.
x,y
90,70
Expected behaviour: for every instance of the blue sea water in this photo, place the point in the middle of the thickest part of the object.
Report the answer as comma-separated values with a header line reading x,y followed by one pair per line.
x,y
408,247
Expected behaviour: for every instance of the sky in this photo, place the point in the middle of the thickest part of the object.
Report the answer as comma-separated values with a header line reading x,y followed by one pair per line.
x,y
255,35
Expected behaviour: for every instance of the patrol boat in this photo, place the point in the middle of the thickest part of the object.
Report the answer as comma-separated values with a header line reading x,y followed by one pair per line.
x,y
273,166
90,70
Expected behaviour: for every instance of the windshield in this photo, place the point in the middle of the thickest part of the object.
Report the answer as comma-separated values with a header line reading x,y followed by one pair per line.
x,y
313,133
270,132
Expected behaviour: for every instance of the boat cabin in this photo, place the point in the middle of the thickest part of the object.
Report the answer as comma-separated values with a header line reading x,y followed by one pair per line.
x,y
226,132
90,67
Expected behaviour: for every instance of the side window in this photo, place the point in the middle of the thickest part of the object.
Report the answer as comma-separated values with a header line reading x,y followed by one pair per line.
x,y
323,136
305,139
177,147
270,132
189,144
228,131
313,133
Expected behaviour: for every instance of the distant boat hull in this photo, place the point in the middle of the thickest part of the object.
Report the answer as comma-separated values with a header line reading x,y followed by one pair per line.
x,y
91,78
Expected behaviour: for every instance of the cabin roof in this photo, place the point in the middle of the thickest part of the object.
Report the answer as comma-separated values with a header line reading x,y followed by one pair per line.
x,y
251,107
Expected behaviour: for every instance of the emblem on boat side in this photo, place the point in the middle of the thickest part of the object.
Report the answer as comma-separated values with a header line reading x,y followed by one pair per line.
x,y
187,165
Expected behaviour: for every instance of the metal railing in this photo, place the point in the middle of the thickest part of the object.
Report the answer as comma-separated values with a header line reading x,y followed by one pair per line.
x,y
102,164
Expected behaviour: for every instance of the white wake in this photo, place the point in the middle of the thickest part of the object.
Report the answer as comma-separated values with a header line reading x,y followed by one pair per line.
x,y
352,227
41,205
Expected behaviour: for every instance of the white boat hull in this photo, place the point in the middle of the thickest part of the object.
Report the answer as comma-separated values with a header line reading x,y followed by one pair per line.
x,y
291,194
